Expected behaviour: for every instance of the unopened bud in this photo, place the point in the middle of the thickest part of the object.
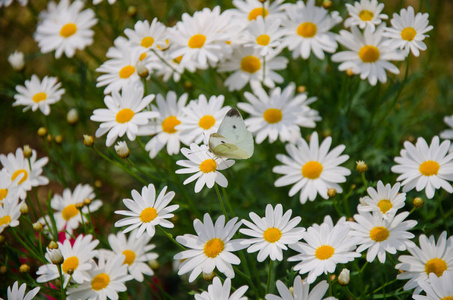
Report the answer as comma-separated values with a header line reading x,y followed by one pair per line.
x,y
122,150
55,256
142,71
79,205
73,116
2,239
70,271
49,138
131,11
24,268
362,201
27,151
59,139
332,277
88,140
331,192
37,227
361,166
86,201
42,131
23,209
291,290
343,278
3,270
52,245
98,183
17,61
188,85
326,3
154,264
350,219
301,89
349,72
208,276
353,186
418,202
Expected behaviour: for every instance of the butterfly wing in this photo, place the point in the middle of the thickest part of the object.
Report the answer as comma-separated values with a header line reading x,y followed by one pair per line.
x,y
222,147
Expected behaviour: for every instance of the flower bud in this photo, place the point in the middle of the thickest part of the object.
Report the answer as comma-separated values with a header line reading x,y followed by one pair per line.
x,y
23,209
301,89
37,227
331,192
49,138
79,205
86,201
24,268
98,183
122,150
349,72
17,61
70,271
27,151
131,11
88,140
343,278
42,131
55,256
361,166
326,3
418,202
3,270
208,276
59,139
142,71
73,116
154,264
52,245
2,239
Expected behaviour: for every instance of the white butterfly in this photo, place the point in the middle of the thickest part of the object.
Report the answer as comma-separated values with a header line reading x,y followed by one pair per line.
x,y
232,140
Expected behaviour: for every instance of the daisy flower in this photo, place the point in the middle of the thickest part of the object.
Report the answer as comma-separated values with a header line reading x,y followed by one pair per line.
x,y
429,258
168,67
16,60
28,170
67,216
437,288
408,31
263,36
9,214
307,30
164,128
448,133
96,2
39,94
368,54
312,168
248,66
65,28
386,200
366,13
105,279
380,235
279,114
8,3
9,190
146,212
249,10
123,114
77,258
300,291
147,36
18,293
272,233
425,167
325,246
211,248
136,252
202,117
205,167
217,291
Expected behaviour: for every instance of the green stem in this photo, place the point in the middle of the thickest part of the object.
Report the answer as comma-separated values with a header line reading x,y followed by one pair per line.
x,y
170,237
221,201
269,275
247,278
228,204
365,183
442,213
329,279
62,289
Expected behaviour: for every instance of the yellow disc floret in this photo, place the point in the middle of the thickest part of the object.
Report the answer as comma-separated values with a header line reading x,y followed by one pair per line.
x,y
250,64
312,169
68,29
148,214
369,54
213,247
272,115
307,29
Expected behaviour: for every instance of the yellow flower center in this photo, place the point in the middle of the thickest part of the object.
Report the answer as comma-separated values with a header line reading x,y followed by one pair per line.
x,y
19,172
312,169
169,124
447,298
366,15
369,54
5,220
68,30
272,115
38,97
263,40
436,266
142,56
127,71
213,247
100,281
70,263
307,30
429,168
147,42
197,41
69,212
124,115
148,214
250,64
408,34
324,252
208,166
206,122
178,59
130,257
259,11
385,205
3,194
379,234
272,235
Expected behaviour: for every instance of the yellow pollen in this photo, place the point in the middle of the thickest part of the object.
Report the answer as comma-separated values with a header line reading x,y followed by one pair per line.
x,y
197,41
147,42
272,115
178,59
169,124
228,42
38,97
369,54
127,71
5,220
436,266
3,194
324,252
142,56
250,64
366,15
312,169
148,214
68,30
379,234
70,263
447,298
429,168
19,172
130,257
254,13
208,166
385,205
272,235
206,122
307,30
213,247
263,40
124,115
408,34
69,212
100,281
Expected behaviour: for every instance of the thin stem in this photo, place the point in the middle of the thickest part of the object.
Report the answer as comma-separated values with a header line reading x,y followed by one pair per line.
x,y
62,289
442,213
365,183
170,237
329,279
221,201
269,274
228,204
247,278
